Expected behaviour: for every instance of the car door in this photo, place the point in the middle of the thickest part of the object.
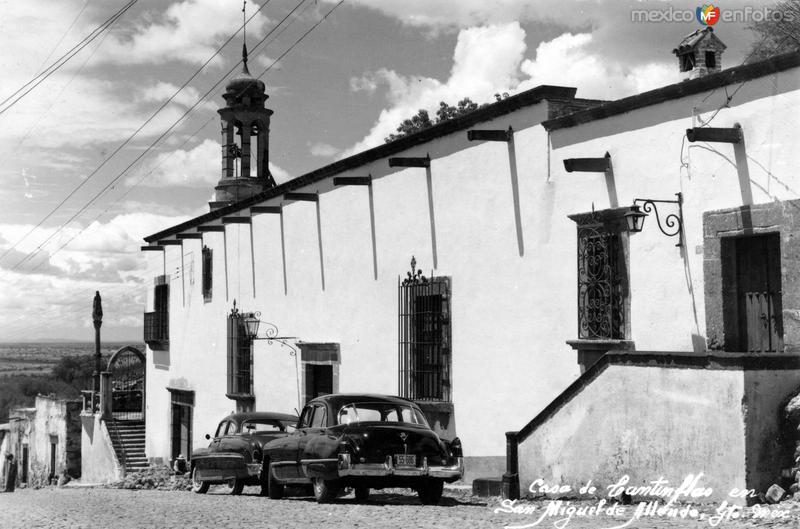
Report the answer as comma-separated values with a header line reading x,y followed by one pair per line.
x,y
230,441
221,429
283,451
317,426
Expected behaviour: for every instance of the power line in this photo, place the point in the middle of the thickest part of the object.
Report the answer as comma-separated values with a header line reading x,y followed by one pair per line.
x,y
125,287
121,146
205,124
64,35
38,79
55,98
143,154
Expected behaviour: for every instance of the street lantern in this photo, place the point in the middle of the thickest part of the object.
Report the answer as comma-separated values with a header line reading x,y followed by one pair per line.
x,y
670,225
634,219
251,323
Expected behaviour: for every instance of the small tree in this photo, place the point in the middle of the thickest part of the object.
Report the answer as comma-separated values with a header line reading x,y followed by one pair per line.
x,y
420,121
777,34
446,112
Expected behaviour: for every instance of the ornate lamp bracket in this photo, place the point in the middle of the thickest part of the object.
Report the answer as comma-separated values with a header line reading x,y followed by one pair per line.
x,y
672,224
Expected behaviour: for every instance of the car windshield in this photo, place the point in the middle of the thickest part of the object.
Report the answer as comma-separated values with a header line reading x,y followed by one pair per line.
x,y
380,412
266,426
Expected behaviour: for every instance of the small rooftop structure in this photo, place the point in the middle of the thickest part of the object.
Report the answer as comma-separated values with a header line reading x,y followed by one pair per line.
x,y
700,53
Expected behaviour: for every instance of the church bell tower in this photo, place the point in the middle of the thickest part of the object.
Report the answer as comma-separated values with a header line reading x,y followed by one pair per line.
x,y
245,139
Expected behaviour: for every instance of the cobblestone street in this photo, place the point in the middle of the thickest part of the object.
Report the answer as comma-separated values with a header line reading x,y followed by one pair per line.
x,y
113,508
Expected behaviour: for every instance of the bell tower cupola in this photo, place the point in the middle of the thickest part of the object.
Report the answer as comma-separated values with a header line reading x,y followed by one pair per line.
x,y
245,139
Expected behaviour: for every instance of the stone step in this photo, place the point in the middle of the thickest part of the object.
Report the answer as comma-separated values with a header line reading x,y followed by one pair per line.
x,y
129,438
485,487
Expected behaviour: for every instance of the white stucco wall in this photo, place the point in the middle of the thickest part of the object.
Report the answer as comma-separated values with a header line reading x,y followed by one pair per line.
x,y
638,421
512,311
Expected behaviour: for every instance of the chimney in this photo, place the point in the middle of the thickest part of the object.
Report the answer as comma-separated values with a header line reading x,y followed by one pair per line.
x,y
699,54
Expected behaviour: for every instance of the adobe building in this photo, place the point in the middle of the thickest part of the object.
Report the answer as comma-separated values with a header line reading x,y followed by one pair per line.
x,y
45,439
587,276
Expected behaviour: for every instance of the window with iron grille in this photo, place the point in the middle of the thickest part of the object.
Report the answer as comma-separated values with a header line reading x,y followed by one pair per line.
x,y
425,331
208,271
240,359
601,283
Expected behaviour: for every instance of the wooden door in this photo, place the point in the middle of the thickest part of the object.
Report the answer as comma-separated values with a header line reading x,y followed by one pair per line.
x,y
758,283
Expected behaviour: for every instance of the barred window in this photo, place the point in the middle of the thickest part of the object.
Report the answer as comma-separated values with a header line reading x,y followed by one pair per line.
x,y
156,323
601,286
208,272
425,331
240,359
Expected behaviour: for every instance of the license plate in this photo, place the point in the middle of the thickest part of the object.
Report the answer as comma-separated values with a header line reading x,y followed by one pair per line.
x,y
405,460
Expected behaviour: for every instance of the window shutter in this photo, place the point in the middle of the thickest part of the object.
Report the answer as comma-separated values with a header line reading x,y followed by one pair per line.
x,y
233,346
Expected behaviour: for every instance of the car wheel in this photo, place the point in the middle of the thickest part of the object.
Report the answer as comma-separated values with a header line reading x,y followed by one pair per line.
x,y
430,492
324,490
235,486
269,485
362,493
200,487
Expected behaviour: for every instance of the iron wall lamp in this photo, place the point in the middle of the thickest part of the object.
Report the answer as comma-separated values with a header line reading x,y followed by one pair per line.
x,y
251,323
672,224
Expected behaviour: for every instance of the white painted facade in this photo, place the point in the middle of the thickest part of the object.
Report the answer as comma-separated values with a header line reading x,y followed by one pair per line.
x,y
314,273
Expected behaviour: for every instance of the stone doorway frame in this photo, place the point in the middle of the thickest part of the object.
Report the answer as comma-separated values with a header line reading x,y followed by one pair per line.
x,y
781,217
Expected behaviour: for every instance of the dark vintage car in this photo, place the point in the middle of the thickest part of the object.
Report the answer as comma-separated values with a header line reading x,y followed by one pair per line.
x,y
363,442
235,453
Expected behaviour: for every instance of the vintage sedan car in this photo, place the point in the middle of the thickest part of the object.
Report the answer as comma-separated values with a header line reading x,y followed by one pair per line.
x,y
363,442
235,453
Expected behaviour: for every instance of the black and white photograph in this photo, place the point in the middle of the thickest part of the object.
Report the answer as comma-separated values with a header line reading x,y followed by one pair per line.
x,y
499,264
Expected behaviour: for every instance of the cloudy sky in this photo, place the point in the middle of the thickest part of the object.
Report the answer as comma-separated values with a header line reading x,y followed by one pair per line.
x,y
76,202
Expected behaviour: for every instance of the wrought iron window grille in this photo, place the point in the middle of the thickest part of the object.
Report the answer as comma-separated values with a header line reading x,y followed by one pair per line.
x,y
208,271
601,295
424,336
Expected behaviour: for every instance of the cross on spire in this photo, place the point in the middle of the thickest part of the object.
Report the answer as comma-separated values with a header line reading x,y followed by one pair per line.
x,y
244,38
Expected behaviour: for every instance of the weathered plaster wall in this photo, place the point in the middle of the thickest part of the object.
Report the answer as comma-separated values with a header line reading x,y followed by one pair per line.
x,y
640,421
318,278
99,462
56,420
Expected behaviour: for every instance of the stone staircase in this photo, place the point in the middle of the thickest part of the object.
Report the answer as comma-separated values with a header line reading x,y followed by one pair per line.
x,y
128,440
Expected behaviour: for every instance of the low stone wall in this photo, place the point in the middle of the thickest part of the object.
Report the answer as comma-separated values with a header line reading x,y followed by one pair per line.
x,y
660,415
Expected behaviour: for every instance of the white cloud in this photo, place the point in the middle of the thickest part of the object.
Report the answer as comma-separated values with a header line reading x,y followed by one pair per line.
x,y
570,60
485,60
187,97
194,167
279,174
323,150
463,13
187,31
490,59
199,166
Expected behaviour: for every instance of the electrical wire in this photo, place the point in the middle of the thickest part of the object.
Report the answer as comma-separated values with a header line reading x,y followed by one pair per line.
x,y
157,140
123,144
50,70
150,173
297,42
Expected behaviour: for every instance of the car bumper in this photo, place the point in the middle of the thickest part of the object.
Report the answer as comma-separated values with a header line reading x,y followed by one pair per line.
x,y
223,467
449,473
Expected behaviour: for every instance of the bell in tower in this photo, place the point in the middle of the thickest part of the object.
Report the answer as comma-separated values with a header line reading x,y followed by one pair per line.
x,y
245,140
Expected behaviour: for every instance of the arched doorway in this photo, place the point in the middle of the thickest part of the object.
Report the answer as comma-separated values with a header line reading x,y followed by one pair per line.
x,y
127,369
